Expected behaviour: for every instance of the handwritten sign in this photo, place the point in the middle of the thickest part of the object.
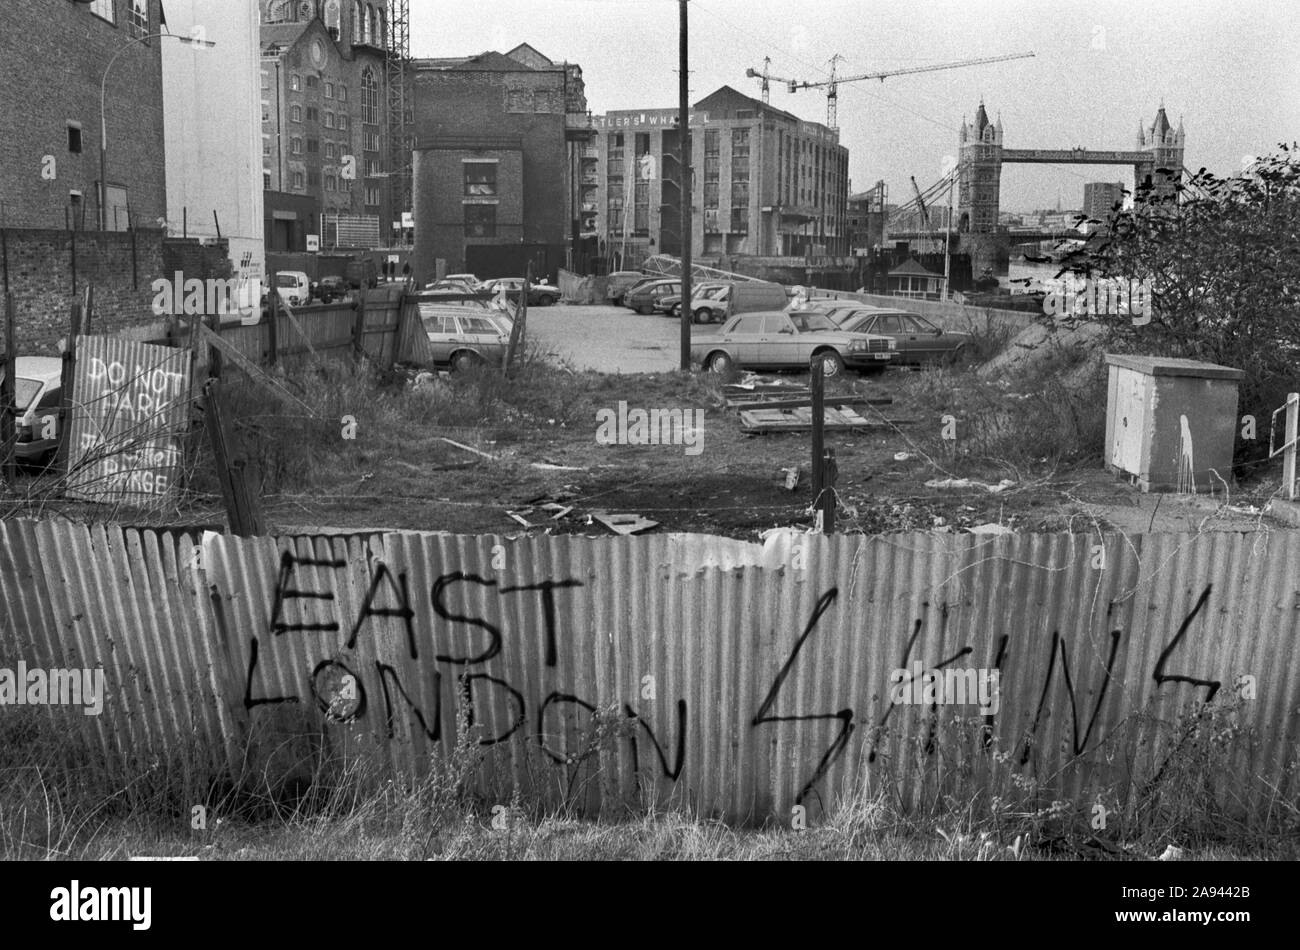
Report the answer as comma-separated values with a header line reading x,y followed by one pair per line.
x,y
130,409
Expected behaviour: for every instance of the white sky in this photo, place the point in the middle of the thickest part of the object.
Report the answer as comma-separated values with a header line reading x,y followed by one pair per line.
x,y
1230,68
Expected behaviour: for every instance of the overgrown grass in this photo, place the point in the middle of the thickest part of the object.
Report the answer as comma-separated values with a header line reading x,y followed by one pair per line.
x,y
59,799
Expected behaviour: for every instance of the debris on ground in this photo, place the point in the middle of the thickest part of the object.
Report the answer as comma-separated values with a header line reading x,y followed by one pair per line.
x,y
469,448
799,420
624,522
958,483
990,529
904,456
791,478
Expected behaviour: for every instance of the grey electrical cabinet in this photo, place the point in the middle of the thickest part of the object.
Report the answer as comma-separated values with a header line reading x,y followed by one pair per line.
x,y
1170,423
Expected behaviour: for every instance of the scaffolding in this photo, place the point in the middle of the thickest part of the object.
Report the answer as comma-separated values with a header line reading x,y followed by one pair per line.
x,y
401,141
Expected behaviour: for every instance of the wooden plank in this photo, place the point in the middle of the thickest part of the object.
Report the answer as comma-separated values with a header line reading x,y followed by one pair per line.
x,y
806,403
800,420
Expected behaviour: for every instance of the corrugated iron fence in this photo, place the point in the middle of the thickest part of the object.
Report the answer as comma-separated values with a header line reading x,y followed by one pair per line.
x,y
735,678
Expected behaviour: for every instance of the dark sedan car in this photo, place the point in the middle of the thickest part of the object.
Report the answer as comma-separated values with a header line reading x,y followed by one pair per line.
x,y
919,341
644,299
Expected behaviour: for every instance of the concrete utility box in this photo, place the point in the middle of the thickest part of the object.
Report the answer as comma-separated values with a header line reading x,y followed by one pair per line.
x,y
1170,423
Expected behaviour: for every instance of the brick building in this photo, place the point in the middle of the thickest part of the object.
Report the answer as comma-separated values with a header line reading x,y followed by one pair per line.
x,y
54,55
1099,197
324,123
766,182
497,165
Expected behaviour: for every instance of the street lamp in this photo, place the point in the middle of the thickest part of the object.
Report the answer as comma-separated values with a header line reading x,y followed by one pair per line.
x,y
103,125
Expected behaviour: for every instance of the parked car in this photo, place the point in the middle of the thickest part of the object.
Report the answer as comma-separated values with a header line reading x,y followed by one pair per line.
x,y
741,296
331,288
919,341
473,282
452,283
294,288
784,339
464,333
644,281
643,299
38,391
672,304
620,281
540,293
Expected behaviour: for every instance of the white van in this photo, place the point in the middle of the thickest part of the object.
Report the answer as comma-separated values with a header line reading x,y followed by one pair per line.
x,y
294,288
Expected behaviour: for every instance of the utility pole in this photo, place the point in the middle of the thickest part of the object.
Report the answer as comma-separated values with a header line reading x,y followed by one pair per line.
x,y
684,126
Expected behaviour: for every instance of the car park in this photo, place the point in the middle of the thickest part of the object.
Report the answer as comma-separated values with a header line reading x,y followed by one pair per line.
x,y
919,341
672,304
783,339
644,298
638,285
38,394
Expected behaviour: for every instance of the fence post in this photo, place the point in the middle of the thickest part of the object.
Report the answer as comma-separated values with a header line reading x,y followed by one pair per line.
x,y
517,328
65,396
1292,430
359,326
242,508
273,321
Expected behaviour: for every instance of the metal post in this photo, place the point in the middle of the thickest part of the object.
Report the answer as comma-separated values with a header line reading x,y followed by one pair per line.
x,y
817,386
1292,430
273,320
684,138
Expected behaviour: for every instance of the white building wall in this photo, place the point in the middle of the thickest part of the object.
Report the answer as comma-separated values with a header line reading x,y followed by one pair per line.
x,y
212,107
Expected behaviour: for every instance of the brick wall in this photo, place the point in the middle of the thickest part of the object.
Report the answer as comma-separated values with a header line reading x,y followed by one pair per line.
x,y
53,56
439,187
48,270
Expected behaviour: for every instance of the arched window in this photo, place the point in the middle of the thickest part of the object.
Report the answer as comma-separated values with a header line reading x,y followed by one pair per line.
x,y
356,22
381,35
333,15
370,26
279,11
369,97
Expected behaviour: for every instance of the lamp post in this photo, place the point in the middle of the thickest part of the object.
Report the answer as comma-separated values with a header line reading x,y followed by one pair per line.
x,y
103,92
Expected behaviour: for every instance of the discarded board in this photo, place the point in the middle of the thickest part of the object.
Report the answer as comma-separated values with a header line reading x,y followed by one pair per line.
x,y
624,523
799,420
805,402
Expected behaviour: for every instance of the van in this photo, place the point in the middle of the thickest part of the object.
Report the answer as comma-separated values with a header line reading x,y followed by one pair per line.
x,y
293,287
742,296
363,272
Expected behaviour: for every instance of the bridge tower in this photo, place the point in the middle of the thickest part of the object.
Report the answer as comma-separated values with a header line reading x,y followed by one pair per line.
x,y
979,184
1165,146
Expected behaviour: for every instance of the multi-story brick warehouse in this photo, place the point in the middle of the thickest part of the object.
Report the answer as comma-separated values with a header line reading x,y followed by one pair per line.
x,y
54,57
497,165
766,182
324,124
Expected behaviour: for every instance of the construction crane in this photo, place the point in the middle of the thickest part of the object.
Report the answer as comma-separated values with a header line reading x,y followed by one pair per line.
x,y
832,84
920,204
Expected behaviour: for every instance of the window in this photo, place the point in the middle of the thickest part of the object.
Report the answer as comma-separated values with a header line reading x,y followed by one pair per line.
x,y
74,137
369,97
266,146
104,9
751,323
332,17
313,146
313,179
331,183
479,325
298,180
138,18
295,146
372,141
343,93
641,207
313,115
480,221
295,113
711,195
343,120
372,195
739,219
266,80
329,149
312,82
266,113
266,181
295,82
480,179
329,120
